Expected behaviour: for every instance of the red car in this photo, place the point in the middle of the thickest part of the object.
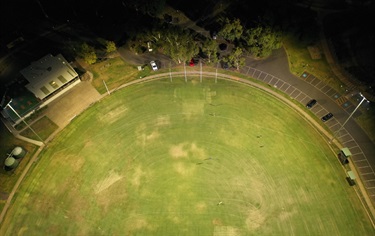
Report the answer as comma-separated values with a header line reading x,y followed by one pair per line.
x,y
191,63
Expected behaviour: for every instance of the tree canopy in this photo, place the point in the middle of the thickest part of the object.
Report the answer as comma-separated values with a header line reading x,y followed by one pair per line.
x,y
179,45
231,30
261,40
110,46
235,58
87,53
209,48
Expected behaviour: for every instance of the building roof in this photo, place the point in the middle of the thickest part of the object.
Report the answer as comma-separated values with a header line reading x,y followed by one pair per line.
x,y
48,74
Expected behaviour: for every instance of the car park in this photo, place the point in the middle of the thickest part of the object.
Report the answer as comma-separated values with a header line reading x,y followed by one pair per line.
x,y
311,103
327,117
153,65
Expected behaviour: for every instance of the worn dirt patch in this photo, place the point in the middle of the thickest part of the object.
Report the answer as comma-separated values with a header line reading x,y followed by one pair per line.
x,y
226,231
154,135
77,164
183,169
113,115
137,176
137,222
285,215
113,197
112,178
197,152
144,135
200,207
255,219
184,150
179,150
217,222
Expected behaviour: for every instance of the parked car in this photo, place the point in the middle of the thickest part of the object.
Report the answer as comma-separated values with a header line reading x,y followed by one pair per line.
x,y
225,65
223,46
153,65
192,62
311,103
327,117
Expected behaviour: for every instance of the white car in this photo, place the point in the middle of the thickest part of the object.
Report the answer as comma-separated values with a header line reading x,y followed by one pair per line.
x,y
153,65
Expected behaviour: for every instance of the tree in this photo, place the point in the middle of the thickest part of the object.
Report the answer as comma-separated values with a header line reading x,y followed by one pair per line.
x,y
209,47
179,45
231,30
235,58
155,36
110,46
87,53
261,40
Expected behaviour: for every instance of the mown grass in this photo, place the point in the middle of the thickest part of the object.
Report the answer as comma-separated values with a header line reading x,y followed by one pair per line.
x,y
164,158
300,60
114,72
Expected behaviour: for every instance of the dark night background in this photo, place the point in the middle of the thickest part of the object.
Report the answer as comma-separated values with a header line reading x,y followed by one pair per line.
x,y
349,26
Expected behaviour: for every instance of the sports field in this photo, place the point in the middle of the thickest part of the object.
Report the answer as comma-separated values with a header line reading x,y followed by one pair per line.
x,y
163,158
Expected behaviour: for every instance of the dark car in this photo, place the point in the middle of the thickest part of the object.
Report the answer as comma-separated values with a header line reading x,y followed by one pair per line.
x,y
223,46
311,103
327,117
225,65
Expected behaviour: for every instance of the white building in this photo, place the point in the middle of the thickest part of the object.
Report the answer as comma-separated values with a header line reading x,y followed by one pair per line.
x,y
48,75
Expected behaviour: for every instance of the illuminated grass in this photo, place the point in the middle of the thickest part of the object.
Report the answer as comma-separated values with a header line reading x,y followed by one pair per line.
x,y
163,158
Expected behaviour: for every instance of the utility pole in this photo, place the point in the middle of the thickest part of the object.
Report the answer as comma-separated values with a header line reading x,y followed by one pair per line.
x,y
342,126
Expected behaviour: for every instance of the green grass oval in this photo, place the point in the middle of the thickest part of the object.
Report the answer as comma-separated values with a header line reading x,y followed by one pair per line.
x,y
162,158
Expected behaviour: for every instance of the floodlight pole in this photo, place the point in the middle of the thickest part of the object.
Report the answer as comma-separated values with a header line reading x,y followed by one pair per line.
x,y
28,126
342,126
106,87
